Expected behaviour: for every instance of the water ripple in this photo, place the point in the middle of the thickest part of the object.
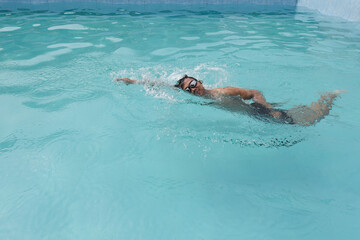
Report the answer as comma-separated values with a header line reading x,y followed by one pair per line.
x,y
68,27
9,29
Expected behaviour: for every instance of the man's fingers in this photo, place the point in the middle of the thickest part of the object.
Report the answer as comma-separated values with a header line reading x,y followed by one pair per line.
x,y
122,79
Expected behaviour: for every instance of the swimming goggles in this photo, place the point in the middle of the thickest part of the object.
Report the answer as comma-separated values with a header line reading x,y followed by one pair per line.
x,y
192,84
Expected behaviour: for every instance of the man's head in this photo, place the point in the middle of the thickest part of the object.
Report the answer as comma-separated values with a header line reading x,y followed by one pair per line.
x,y
191,85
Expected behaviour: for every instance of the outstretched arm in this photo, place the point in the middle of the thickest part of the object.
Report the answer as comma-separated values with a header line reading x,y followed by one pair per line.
x,y
127,80
246,94
145,82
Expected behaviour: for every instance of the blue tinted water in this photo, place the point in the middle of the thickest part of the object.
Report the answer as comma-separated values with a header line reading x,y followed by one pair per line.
x,y
82,157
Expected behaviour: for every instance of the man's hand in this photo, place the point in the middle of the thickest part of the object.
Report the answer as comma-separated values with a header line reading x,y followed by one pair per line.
x,y
126,80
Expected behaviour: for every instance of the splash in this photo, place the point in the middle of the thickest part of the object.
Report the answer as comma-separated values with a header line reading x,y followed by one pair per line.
x,y
212,75
159,79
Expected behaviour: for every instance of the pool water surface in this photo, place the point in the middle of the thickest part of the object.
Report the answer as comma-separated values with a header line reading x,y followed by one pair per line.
x,y
85,157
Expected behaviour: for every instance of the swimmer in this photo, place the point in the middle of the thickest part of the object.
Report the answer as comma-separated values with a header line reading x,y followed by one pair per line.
x,y
231,98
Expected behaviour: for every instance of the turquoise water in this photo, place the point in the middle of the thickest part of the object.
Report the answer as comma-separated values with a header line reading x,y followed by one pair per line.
x,y
84,157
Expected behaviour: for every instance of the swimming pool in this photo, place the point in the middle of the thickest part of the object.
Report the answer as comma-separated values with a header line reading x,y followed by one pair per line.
x,y
83,157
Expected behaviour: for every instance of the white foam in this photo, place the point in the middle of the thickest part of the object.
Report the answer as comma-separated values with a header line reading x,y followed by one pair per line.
x,y
215,76
220,32
99,45
68,27
78,37
71,45
159,93
1,49
69,13
190,38
9,29
113,39
36,25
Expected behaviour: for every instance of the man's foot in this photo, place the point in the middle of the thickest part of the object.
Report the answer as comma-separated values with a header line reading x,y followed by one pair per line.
x,y
332,95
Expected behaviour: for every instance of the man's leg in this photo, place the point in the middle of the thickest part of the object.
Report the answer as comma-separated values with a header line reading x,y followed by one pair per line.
x,y
308,115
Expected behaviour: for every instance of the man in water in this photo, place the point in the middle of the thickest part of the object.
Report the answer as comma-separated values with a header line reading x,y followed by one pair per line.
x,y
231,98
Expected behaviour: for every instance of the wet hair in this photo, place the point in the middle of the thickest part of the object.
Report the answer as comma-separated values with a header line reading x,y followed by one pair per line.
x,y
180,82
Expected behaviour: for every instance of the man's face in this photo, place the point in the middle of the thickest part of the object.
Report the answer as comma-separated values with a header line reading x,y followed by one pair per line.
x,y
193,86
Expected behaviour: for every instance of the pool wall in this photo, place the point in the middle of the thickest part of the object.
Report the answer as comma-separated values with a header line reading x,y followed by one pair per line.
x,y
347,9
266,2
